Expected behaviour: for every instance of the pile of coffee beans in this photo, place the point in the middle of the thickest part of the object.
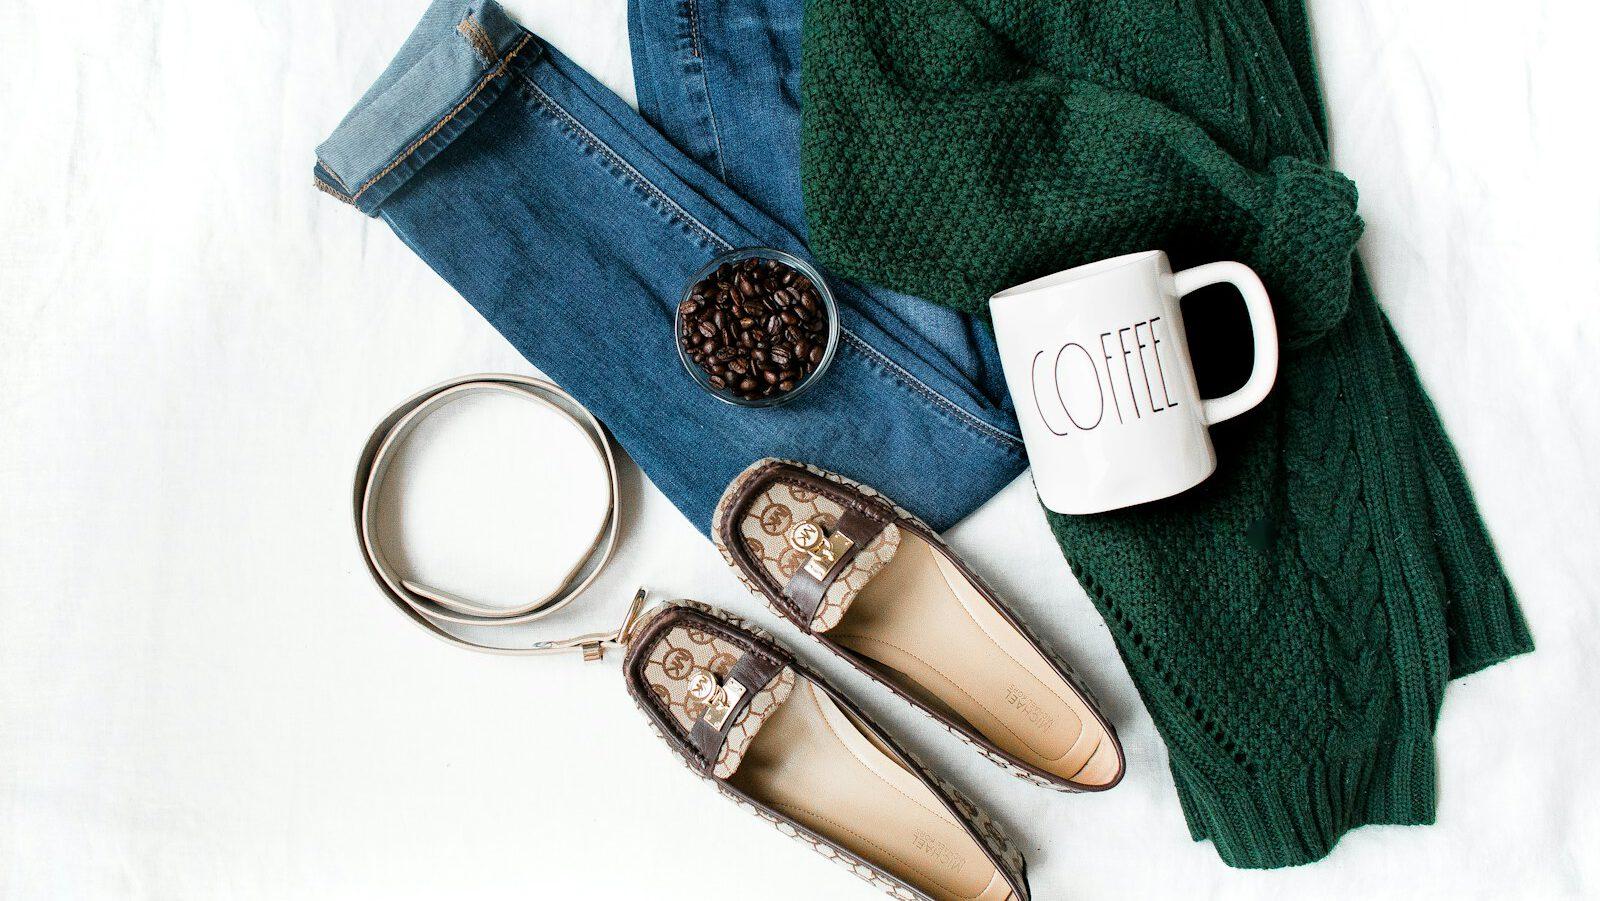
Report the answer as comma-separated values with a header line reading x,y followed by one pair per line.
x,y
757,327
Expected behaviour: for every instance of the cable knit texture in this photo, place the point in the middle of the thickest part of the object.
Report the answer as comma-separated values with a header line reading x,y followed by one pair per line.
x,y
1292,622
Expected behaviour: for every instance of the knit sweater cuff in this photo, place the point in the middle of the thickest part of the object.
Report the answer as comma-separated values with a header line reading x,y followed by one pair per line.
x,y
1486,627
1296,817
1309,229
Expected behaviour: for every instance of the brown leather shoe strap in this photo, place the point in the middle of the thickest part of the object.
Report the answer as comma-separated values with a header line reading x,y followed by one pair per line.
x,y
753,671
806,591
432,607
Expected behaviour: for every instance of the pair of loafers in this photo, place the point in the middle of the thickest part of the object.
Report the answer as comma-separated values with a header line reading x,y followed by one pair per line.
x,y
877,587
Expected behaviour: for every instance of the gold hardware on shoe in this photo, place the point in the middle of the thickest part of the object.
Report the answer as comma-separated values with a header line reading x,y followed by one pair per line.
x,y
824,550
719,698
718,709
702,685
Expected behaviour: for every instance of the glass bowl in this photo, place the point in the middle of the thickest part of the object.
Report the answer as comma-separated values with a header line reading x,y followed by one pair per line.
x,y
830,311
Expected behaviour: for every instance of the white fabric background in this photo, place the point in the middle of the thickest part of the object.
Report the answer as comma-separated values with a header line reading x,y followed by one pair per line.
x,y
202,695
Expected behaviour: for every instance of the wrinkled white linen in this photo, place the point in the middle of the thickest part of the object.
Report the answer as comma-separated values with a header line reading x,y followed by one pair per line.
x,y
202,695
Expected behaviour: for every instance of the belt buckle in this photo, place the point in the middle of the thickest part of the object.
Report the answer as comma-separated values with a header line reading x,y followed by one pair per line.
x,y
594,646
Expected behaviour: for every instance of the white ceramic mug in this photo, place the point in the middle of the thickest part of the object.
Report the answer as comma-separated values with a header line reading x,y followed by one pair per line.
x,y
1099,370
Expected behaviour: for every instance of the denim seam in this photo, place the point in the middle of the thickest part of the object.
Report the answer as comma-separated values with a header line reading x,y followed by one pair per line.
x,y
705,85
594,143
331,191
474,33
498,70
901,374
694,30
333,175
317,182
1000,436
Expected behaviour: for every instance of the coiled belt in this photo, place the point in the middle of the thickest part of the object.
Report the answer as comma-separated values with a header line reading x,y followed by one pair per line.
x,y
432,608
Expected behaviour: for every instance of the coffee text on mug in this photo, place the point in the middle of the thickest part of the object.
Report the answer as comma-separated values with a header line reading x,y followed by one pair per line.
x,y
1124,365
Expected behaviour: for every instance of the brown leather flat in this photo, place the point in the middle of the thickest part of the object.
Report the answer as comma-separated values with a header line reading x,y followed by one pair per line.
x,y
876,586
779,740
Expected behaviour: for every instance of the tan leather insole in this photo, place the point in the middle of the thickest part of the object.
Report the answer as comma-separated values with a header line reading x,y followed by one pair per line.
x,y
812,763
934,634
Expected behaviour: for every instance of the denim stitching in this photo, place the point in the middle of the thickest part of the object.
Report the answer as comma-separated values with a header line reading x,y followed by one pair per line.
x,y
705,84
475,35
330,190
901,374
694,30
594,143
341,195
483,82
333,175
1001,436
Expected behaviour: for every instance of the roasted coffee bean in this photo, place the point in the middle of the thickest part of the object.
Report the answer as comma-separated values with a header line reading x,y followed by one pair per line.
x,y
756,327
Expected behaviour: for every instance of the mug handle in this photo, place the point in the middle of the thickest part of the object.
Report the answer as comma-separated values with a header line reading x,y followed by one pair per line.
x,y
1263,327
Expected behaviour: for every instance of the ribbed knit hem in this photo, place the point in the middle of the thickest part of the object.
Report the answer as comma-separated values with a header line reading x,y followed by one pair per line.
x,y
1486,628
1297,817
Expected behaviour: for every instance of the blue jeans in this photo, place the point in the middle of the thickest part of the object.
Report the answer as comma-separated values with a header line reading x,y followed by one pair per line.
x,y
572,223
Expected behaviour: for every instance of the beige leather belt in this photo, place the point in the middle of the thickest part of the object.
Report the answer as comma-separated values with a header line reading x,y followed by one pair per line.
x,y
432,608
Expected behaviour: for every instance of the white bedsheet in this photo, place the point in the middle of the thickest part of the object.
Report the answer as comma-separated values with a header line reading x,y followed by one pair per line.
x,y
202,695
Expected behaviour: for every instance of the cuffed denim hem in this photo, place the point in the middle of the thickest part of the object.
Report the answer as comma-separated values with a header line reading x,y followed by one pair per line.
x,y
447,73
572,225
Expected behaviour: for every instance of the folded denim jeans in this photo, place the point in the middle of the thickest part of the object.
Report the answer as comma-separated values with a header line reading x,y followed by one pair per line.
x,y
573,223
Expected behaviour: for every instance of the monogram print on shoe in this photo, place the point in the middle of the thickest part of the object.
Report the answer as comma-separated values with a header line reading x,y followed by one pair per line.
x,y
674,659
744,730
681,673
768,530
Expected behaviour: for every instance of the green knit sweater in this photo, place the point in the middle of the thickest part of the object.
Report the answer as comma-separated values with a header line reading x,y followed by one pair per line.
x,y
1291,623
